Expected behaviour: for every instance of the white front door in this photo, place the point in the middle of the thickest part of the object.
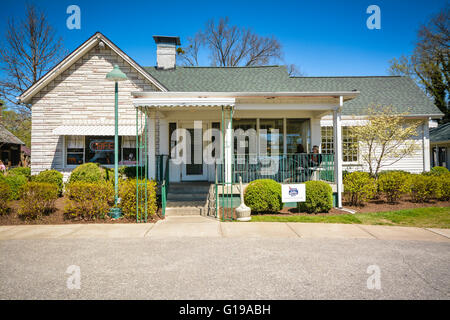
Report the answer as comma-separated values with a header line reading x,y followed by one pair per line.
x,y
196,170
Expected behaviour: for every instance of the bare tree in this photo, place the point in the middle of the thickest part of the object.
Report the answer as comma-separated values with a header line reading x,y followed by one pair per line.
x,y
30,49
231,46
294,71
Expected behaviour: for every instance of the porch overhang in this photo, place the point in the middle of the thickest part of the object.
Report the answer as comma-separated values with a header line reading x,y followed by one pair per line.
x,y
320,101
175,102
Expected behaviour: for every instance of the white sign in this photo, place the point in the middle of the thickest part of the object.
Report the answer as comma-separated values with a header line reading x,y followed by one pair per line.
x,y
293,192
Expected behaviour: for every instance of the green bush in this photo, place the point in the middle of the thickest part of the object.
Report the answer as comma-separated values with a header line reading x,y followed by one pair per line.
x,y
263,195
127,194
130,172
88,200
37,198
88,172
23,171
15,182
423,187
444,187
50,176
5,194
393,184
319,197
359,187
439,171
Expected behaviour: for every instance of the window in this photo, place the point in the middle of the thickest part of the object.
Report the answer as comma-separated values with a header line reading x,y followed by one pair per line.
x,y
99,149
327,140
244,124
75,150
172,138
128,150
349,145
269,137
298,137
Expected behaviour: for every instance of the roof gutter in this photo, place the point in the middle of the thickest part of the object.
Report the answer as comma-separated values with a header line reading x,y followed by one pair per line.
x,y
292,94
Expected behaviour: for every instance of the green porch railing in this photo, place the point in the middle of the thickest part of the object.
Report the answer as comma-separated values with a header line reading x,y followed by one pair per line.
x,y
290,168
162,178
141,167
287,168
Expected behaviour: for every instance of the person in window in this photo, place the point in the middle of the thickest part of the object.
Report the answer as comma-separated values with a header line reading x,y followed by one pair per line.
x,y
316,158
299,164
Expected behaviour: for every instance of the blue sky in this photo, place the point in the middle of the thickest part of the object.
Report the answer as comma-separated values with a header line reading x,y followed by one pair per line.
x,y
322,37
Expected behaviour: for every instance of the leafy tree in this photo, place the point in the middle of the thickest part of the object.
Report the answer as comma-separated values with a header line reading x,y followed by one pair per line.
x,y
19,124
429,62
386,137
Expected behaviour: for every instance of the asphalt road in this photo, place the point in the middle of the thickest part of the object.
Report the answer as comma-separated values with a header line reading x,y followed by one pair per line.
x,y
212,268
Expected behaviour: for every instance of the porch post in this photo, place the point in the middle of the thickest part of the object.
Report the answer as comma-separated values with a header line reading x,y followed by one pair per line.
x,y
151,122
228,145
426,146
337,138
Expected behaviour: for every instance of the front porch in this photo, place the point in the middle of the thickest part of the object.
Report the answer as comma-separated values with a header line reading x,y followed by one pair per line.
x,y
284,128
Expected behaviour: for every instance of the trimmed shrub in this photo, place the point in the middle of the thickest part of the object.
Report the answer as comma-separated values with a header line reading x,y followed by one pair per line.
x,y
423,188
88,172
439,171
127,194
444,187
393,184
263,195
22,171
359,187
37,199
5,194
50,176
319,197
88,200
15,182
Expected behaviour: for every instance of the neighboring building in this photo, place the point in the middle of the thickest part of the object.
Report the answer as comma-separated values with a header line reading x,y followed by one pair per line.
x,y
9,147
73,118
440,145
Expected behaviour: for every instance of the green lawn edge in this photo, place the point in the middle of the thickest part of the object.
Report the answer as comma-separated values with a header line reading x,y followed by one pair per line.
x,y
429,217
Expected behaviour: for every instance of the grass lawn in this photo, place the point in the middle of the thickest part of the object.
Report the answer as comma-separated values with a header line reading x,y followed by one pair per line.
x,y
430,217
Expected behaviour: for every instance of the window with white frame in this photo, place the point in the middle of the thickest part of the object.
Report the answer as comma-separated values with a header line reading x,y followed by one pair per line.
x,y
349,144
99,149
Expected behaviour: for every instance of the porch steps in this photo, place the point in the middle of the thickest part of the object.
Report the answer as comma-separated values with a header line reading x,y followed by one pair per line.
x,y
186,198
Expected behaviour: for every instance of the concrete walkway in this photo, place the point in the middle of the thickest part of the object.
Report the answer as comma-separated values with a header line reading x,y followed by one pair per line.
x,y
196,226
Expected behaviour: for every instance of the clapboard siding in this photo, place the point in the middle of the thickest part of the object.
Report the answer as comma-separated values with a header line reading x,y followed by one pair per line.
x,y
413,163
81,93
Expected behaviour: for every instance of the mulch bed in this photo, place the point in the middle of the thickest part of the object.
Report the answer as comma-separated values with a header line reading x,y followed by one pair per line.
x,y
379,205
57,217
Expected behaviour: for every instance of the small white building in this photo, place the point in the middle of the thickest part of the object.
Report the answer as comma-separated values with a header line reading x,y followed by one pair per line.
x,y
73,115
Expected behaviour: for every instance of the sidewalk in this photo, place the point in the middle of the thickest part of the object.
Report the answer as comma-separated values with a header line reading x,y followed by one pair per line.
x,y
209,228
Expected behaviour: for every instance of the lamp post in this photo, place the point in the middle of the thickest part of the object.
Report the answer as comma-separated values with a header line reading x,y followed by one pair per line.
x,y
116,75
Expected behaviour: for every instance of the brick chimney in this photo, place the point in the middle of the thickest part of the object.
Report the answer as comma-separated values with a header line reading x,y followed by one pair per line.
x,y
166,51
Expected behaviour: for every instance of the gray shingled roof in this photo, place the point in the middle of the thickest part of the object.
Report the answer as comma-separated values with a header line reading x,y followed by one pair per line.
x,y
440,133
8,137
400,92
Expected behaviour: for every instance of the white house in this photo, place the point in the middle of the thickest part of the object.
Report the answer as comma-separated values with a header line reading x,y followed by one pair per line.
x,y
73,116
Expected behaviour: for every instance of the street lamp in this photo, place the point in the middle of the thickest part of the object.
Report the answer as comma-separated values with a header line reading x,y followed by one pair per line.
x,y
116,75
